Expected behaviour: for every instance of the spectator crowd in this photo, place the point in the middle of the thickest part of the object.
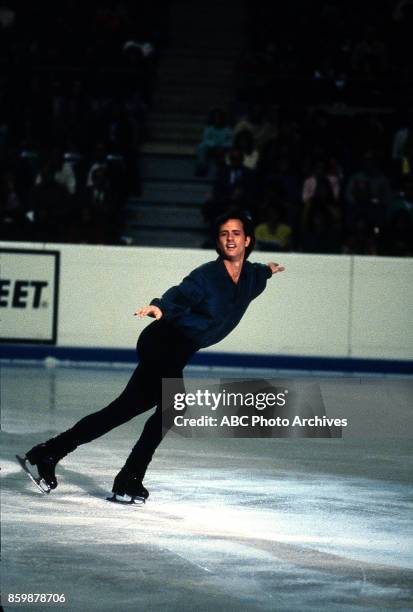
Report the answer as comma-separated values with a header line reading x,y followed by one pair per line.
x,y
315,182
76,82
317,143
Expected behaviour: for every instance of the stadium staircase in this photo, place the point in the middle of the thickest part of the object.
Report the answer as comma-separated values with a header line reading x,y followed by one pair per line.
x,y
196,73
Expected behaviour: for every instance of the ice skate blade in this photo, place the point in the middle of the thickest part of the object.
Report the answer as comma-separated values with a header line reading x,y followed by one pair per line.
x,y
39,482
132,501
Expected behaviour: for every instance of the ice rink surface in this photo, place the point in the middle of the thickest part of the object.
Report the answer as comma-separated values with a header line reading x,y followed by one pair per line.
x,y
231,524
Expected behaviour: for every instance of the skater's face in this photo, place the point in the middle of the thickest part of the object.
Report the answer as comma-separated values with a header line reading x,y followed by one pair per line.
x,y
232,240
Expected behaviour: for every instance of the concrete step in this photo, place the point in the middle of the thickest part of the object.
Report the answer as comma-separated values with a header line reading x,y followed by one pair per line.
x,y
173,168
168,148
208,9
202,72
178,132
167,238
207,29
199,16
211,9
198,79
160,216
172,55
192,94
187,5
206,88
188,103
203,52
175,135
177,192
174,139
218,42
175,58
177,117
204,22
171,121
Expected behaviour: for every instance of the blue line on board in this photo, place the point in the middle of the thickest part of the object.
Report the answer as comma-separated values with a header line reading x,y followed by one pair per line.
x,y
278,362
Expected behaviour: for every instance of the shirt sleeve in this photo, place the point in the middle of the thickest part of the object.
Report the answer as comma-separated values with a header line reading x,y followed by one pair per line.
x,y
181,298
262,273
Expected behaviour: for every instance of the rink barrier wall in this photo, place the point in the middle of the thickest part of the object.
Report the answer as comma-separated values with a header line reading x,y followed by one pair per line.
x,y
324,312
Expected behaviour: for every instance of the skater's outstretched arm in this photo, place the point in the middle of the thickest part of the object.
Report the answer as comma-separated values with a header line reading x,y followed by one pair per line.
x,y
176,300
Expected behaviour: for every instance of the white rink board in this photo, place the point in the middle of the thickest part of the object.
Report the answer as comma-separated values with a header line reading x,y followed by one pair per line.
x,y
382,308
327,306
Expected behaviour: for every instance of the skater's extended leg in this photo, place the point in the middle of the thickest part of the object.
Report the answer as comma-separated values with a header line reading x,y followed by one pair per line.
x,y
161,353
137,397
129,479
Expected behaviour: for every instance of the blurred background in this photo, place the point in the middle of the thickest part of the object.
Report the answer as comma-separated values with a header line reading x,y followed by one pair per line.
x,y
128,123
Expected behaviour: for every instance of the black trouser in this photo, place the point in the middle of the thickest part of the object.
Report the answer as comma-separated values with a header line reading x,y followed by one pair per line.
x,y
162,353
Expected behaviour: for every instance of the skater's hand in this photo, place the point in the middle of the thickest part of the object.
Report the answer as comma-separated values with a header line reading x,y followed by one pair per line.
x,y
274,267
149,311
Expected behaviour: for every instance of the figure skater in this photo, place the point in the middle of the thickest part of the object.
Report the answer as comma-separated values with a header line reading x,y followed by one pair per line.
x,y
206,306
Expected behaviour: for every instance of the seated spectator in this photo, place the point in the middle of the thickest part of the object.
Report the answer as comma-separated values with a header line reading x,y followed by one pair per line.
x,y
318,192
368,193
99,160
334,175
234,184
244,141
407,156
62,171
403,201
273,234
317,233
360,239
234,181
50,206
216,140
318,130
262,129
370,55
281,176
397,235
401,163
25,165
403,10
98,210
400,138
13,221
321,173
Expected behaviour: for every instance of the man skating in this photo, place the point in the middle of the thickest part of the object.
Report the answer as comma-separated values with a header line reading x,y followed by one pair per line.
x,y
201,311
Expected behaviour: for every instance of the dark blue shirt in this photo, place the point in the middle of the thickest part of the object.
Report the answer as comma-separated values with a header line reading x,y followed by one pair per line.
x,y
208,305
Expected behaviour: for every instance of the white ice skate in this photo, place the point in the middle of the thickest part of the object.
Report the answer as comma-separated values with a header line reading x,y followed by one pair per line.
x,y
126,500
128,489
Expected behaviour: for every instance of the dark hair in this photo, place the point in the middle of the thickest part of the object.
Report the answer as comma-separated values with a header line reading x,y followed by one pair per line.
x,y
217,113
246,220
244,136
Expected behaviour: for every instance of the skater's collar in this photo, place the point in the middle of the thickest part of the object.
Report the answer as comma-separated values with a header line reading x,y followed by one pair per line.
x,y
226,274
